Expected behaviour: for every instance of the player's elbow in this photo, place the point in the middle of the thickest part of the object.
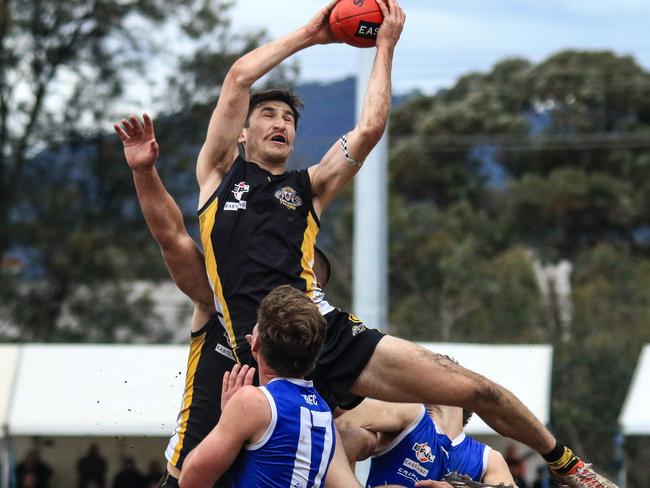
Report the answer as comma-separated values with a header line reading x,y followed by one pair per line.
x,y
166,238
372,130
239,75
193,474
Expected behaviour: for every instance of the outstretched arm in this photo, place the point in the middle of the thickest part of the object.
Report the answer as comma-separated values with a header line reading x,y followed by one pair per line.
x,y
377,416
229,116
164,219
337,168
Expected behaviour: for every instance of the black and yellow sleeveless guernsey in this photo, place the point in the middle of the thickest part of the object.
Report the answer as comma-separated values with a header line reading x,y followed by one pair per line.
x,y
258,231
208,358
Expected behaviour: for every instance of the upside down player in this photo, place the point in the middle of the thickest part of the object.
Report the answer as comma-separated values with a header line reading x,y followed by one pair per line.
x,y
410,443
270,218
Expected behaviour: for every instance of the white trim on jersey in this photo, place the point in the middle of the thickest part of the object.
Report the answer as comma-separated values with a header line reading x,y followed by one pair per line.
x,y
295,381
402,434
486,454
271,428
458,440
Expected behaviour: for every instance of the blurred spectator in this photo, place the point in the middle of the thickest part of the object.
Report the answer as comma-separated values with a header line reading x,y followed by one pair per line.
x,y
92,469
32,472
516,466
128,476
152,479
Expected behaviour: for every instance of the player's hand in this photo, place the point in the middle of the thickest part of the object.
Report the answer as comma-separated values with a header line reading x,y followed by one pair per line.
x,y
140,146
393,24
432,484
318,27
235,380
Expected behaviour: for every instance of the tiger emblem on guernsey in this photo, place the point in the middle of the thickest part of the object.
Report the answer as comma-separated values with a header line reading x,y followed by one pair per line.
x,y
288,197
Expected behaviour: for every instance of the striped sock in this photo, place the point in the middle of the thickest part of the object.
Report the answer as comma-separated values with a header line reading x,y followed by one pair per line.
x,y
561,459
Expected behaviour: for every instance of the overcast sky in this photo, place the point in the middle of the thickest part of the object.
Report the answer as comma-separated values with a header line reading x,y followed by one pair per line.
x,y
446,38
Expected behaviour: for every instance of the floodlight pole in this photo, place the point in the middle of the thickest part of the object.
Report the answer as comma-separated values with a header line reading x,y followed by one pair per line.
x,y
370,279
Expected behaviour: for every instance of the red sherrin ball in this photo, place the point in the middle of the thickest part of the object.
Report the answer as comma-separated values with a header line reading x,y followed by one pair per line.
x,y
356,22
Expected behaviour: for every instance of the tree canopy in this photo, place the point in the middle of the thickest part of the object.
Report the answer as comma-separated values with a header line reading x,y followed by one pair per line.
x,y
67,207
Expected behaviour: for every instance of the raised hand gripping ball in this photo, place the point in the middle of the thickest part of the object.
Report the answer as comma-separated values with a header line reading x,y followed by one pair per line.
x,y
356,22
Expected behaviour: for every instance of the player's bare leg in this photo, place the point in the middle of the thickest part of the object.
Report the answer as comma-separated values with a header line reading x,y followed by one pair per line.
x,y
401,371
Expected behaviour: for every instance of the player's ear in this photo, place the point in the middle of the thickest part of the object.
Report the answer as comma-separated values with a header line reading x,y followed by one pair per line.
x,y
242,136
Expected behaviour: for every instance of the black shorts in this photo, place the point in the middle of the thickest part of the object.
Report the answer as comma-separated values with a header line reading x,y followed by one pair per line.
x,y
348,348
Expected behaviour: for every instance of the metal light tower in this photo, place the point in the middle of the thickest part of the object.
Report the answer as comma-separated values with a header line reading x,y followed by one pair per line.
x,y
370,278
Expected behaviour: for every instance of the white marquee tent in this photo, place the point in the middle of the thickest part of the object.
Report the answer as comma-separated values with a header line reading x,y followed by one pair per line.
x,y
635,416
524,369
70,395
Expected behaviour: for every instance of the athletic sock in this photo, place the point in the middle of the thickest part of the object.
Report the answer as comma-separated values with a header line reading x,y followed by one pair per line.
x,y
560,459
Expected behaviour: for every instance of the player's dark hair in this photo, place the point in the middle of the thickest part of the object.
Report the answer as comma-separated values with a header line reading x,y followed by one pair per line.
x,y
467,414
322,267
293,101
291,331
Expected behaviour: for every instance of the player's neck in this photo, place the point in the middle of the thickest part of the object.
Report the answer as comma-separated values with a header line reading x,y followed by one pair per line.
x,y
266,374
449,419
274,167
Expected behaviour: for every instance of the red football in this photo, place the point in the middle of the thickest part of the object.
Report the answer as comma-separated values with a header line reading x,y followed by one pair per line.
x,y
356,22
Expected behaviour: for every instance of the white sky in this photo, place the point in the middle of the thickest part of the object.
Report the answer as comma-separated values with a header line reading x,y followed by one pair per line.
x,y
446,38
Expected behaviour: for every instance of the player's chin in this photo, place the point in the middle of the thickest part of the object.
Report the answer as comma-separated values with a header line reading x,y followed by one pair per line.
x,y
279,150
278,155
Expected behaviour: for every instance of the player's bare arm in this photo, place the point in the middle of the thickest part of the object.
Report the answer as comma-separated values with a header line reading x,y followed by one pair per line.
x,y
215,454
432,484
224,130
343,160
378,416
163,217
497,470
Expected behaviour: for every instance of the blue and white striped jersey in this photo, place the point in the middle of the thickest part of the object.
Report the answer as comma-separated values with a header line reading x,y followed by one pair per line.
x,y
419,452
469,457
297,448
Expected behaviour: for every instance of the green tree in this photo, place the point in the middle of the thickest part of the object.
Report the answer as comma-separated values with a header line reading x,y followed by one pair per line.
x,y
531,163
67,206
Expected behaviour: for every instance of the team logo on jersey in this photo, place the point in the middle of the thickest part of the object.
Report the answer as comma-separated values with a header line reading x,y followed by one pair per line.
x,y
288,197
423,452
357,329
239,190
358,326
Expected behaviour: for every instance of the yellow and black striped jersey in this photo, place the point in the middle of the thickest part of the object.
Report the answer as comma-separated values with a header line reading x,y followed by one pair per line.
x,y
258,231
209,357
